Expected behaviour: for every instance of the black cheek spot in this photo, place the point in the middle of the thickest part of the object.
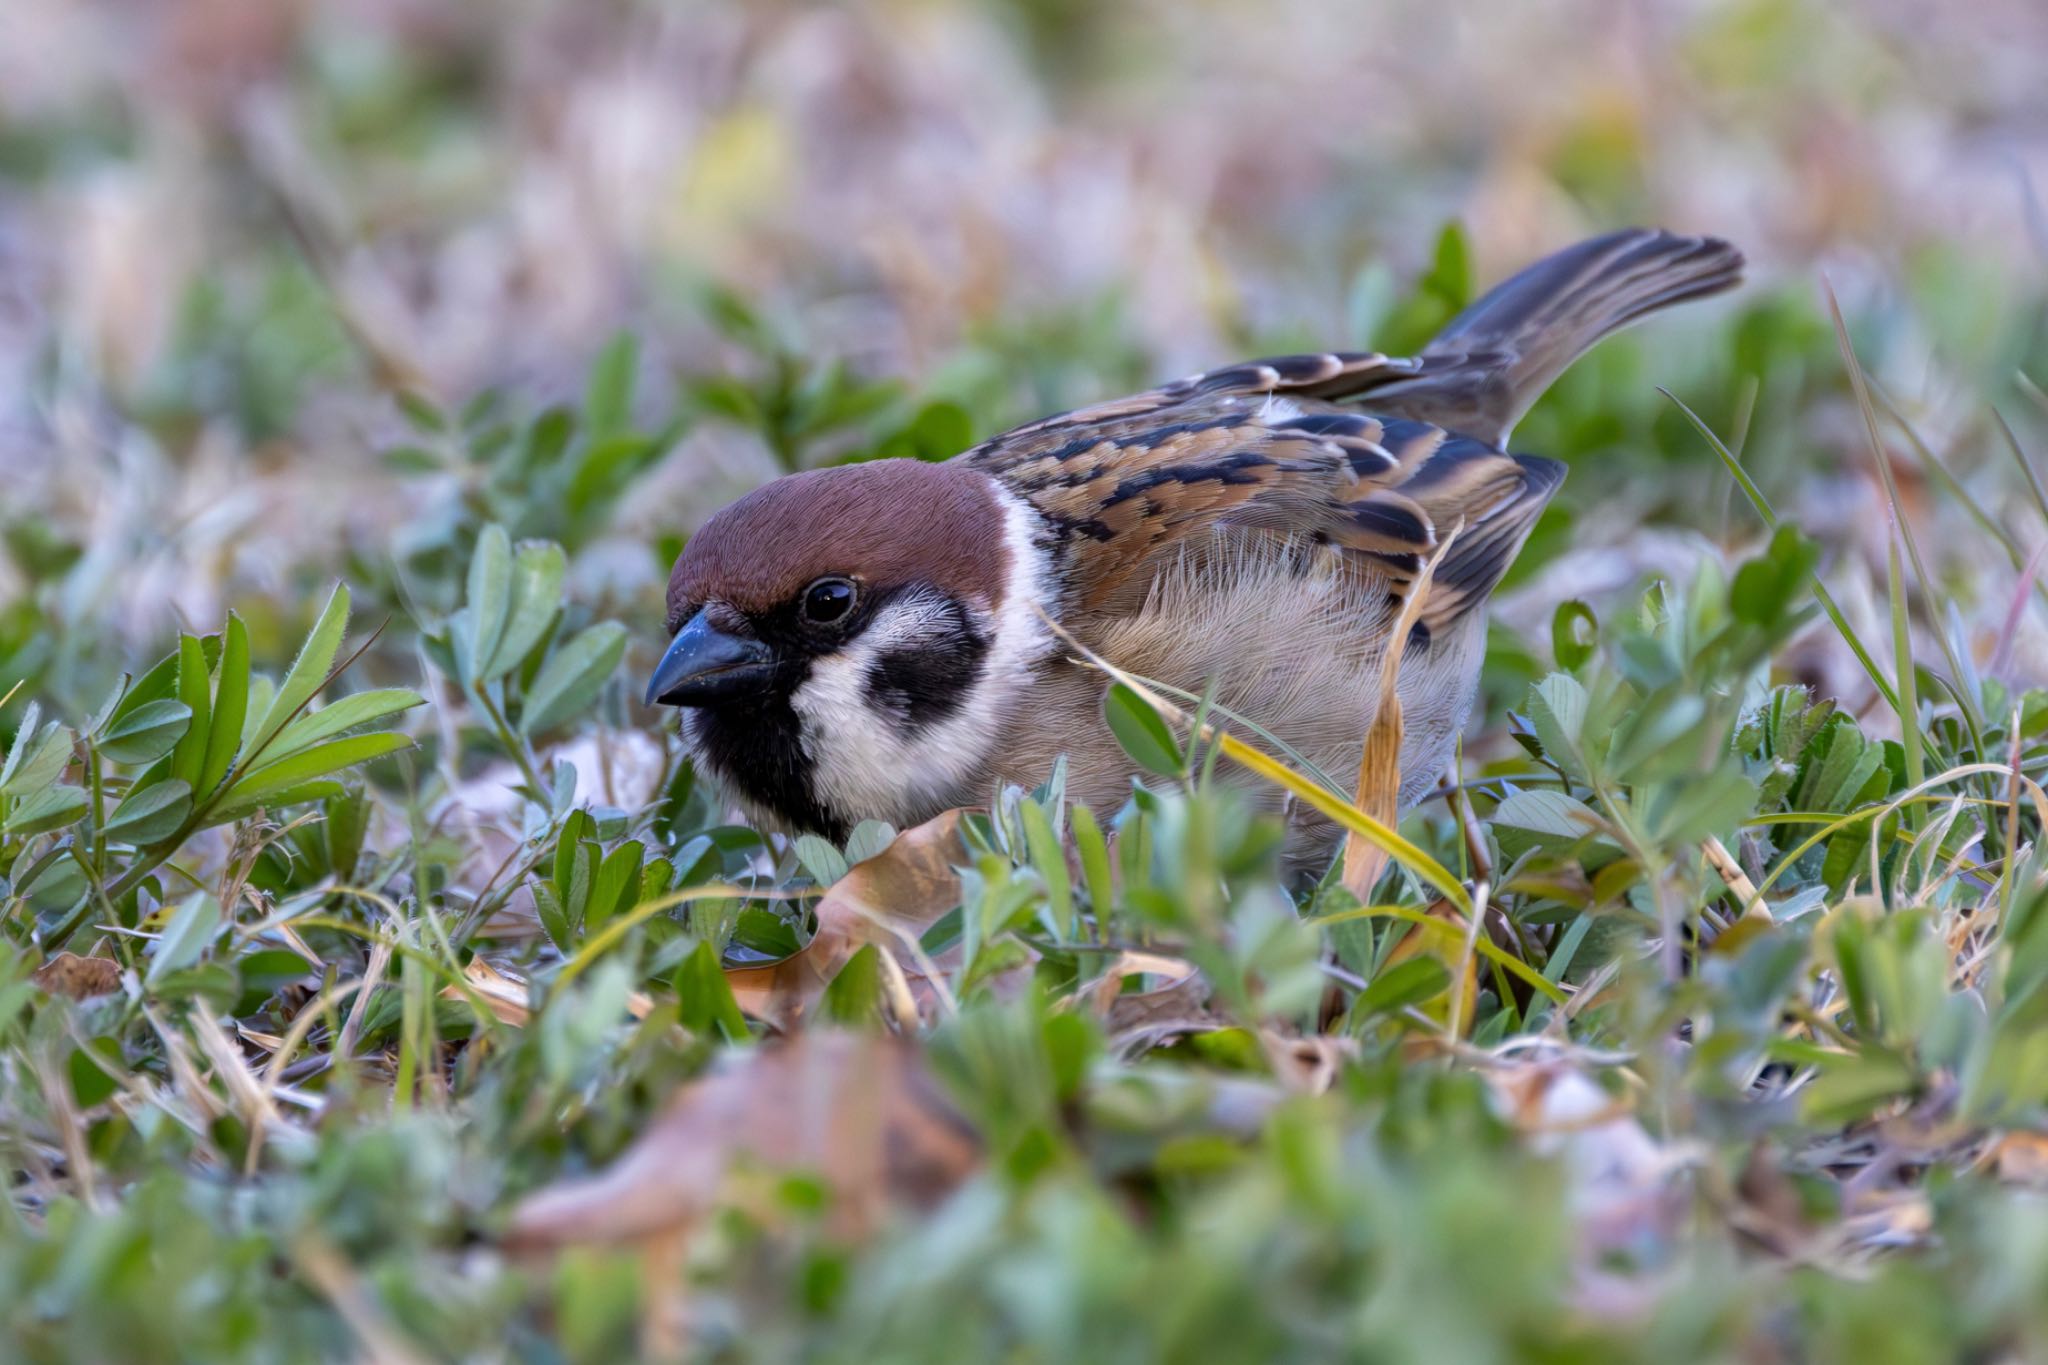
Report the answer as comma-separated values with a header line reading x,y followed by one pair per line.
x,y
923,685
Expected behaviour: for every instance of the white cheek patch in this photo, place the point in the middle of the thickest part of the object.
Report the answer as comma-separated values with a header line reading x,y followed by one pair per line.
x,y
865,764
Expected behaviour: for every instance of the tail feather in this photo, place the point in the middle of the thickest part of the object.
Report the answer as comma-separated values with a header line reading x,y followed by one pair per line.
x,y
1497,357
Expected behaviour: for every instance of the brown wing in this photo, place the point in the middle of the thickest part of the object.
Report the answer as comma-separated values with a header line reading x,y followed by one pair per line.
x,y
1266,445
1261,446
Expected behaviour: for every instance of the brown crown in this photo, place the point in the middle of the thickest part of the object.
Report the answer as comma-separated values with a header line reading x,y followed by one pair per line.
x,y
884,524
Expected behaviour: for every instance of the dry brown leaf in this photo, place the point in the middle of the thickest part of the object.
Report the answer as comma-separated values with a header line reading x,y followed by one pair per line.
x,y
1136,1021
268,1042
506,995
1379,765
1309,1064
503,994
1379,794
1723,862
888,900
2021,1158
78,977
1103,993
860,1111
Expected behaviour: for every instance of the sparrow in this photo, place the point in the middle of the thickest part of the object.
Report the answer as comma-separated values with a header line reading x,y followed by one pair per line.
x,y
892,639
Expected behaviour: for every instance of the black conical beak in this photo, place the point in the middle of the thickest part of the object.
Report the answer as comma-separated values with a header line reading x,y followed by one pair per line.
x,y
705,666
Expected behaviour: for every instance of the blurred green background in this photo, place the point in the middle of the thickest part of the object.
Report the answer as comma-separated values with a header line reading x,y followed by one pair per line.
x,y
229,231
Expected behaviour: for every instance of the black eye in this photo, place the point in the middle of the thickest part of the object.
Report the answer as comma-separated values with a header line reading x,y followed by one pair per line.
x,y
827,600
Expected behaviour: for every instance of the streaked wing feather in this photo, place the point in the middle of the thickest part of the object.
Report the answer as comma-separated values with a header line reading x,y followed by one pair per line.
x,y
1262,445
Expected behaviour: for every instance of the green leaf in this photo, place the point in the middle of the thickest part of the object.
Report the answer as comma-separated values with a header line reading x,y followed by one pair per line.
x,y
1450,274
150,813
825,863
489,601
851,996
60,882
869,839
230,706
1766,587
320,790
1851,1085
268,970
422,413
347,820
212,983
1710,803
262,692
348,713
549,437
97,722
618,880
1093,850
1552,821
1142,732
38,757
733,317
1408,982
583,863
1839,763
51,808
90,1081
147,733
404,459
576,827
608,465
940,431
318,761
608,397
765,932
1557,711
553,918
1654,733
1574,634
725,396
307,676
704,999
159,682
536,595
185,938
572,677
188,757
1051,862
656,879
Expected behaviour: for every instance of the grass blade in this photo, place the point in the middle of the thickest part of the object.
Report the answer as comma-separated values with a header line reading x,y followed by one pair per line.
x,y
1770,519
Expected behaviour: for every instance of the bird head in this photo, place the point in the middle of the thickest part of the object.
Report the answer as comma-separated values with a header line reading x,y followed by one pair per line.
x,y
846,639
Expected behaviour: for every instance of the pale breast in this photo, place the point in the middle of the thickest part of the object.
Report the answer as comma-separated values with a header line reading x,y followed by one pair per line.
x,y
1291,635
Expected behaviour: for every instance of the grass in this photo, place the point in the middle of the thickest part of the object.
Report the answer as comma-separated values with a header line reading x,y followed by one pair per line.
x,y
1727,1039
378,981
